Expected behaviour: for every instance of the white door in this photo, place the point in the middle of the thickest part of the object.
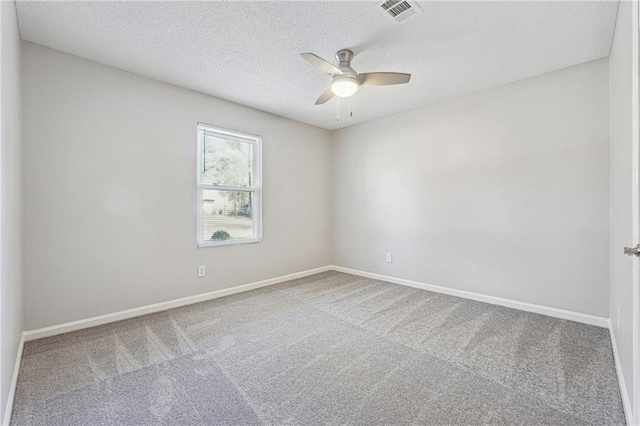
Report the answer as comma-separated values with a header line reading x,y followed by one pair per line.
x,y
625,213
636,209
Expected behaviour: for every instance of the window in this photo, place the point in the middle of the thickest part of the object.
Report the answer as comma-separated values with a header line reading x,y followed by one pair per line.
x,y
229,187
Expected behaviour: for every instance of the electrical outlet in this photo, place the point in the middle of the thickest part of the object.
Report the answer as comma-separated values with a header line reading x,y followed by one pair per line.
x,y
618,321
201,271
389,257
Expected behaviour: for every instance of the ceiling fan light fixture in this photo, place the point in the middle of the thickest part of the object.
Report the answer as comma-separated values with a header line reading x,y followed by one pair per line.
x,y
344,86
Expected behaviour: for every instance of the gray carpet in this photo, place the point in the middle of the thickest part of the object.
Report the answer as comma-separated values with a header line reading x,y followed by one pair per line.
x,y
327,349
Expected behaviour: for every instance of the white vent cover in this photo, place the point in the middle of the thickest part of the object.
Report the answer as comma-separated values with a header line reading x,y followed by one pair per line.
x,y
398,11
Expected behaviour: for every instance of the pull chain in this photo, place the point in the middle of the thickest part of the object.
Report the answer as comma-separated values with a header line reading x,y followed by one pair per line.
x,y
339,103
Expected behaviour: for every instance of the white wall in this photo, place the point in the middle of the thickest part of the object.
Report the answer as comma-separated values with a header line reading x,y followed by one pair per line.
x,y
10,197
110,192
503,192
621,115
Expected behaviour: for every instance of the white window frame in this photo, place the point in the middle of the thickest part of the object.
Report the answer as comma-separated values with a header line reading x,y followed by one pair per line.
x,y
256,142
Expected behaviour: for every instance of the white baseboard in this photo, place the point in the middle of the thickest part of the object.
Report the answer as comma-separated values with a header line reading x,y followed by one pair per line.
x,y
14,383
523,306
157,307
623,389
143,310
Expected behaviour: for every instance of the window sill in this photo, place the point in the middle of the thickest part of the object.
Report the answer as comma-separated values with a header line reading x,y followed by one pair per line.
x,y
207,244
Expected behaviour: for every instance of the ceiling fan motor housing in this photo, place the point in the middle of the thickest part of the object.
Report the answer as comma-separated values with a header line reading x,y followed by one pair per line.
x,y
344,58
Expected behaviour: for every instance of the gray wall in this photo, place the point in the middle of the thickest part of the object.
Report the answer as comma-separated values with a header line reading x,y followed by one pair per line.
x,y
10,197
110,192
621,116
503,192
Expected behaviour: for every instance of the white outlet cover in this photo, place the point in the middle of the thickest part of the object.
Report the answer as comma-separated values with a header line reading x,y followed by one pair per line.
x,y
201,271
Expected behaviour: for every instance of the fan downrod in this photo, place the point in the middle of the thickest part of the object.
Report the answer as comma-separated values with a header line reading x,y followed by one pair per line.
x,y
344,55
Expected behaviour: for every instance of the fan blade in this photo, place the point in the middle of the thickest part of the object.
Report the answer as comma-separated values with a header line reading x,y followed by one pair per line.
x,y
326,95
383,78
321,64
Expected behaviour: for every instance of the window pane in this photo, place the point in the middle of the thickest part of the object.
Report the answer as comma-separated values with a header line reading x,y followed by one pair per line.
x,y
227,215
226,161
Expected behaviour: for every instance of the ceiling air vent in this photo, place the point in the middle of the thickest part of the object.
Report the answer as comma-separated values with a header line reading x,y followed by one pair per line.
x,y
398,11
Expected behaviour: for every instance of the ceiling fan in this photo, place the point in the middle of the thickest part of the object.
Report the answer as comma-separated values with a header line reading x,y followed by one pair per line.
x,y
345,80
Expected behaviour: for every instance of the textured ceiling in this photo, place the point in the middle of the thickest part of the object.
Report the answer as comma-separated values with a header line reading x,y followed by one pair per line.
x,y
248,52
